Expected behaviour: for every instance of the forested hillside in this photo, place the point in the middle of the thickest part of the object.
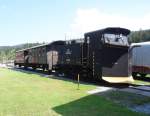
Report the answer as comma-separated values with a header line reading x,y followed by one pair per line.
x,y
140,36
8,52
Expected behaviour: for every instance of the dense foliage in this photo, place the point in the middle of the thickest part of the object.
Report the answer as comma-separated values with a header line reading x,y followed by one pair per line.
x,y
140,36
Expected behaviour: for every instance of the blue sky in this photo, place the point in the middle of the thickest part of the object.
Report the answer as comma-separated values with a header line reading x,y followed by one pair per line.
x,y
23,21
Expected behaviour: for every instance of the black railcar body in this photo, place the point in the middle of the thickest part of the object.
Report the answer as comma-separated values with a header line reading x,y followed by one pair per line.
x,y
101,53
42,56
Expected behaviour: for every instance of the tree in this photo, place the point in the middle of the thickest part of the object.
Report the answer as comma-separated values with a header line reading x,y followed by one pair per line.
x,y
140,36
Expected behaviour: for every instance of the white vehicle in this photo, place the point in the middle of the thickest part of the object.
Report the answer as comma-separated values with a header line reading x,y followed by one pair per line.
x,y
141,59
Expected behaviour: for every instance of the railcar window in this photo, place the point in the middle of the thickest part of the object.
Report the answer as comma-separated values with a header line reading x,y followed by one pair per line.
x,y
117,39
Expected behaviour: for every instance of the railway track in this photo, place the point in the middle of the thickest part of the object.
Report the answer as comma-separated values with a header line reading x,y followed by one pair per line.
x,y
73,77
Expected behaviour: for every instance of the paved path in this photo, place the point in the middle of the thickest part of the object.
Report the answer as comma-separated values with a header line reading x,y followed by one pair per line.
x,y
100,89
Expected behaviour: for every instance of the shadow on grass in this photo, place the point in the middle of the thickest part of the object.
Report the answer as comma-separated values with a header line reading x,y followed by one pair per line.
x,y
93,105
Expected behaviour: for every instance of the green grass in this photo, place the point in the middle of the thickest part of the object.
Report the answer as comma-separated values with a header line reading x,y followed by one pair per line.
x,y
140,82
27,94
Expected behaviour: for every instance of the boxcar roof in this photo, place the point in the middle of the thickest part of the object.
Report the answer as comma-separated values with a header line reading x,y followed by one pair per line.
x,y
33,47
53,43
110,30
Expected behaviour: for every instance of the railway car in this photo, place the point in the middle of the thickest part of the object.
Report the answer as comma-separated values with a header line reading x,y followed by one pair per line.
x,y
141,60
42,56
102,54
71,61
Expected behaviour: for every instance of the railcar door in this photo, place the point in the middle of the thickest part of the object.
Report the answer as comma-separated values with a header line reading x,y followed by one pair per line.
x,y
26,56
52,59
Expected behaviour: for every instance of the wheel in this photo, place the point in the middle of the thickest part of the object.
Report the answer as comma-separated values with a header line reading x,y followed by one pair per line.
x,y
49,71
25,67
134,74
43,68
34,68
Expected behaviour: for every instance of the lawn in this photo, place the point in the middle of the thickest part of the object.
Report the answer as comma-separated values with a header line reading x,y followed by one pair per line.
x,y
28,94
140,82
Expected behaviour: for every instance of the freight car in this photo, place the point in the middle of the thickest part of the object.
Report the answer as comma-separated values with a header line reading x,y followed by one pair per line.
x,y
42,56
100,54
141,60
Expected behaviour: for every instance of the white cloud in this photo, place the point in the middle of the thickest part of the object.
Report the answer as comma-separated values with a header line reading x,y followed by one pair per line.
x,y
92,19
